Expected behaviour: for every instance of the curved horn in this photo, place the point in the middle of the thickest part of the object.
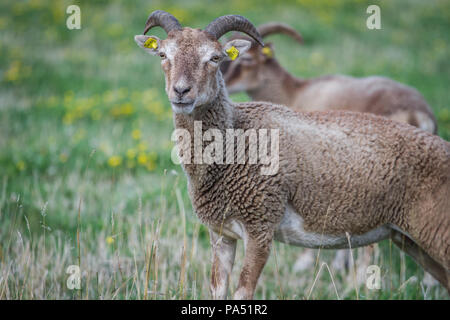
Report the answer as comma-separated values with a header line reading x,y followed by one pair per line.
x,y
277,27
223,24
162,19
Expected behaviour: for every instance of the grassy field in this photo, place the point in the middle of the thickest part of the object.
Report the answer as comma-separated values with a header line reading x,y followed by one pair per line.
x,y
86,176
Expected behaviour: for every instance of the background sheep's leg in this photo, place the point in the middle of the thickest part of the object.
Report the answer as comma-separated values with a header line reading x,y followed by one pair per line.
x,y
421,257
256,255
223,254
342,260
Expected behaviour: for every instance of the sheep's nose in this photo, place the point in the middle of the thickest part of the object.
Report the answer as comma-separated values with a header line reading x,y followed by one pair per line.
x,y
181,90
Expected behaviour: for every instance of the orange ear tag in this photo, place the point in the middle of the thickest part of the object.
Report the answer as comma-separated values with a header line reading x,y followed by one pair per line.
x,y
151,43
232,52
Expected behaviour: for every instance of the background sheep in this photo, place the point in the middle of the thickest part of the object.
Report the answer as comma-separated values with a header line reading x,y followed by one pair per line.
x,y
264,79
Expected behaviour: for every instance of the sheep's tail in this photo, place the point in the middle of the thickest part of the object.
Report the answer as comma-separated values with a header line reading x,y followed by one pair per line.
x,y
426,122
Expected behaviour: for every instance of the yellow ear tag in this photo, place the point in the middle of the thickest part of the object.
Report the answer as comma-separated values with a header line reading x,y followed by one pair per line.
x,y
267,52
232,52
151,43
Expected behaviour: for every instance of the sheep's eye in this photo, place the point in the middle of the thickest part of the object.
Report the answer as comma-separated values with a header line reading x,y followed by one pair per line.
x,y
162,55
215,59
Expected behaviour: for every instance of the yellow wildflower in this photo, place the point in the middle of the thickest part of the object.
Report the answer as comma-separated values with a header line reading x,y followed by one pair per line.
x,y
68,96
68,118
131,153
136,134
127,109
124,109
142,158
156,107
142,146
109,240
13,73
21,165
115,161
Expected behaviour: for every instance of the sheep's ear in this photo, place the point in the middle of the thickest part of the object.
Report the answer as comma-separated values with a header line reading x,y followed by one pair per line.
x,y
236,48
151,44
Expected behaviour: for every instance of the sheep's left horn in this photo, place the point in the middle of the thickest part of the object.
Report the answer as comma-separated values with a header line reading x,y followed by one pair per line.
x,y
223,24
162,19
277,27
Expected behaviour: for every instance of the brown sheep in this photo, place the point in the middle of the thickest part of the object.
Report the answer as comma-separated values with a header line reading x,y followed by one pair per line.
x,y
336,174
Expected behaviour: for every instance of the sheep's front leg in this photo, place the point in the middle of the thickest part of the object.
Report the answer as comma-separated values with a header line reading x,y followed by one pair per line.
x,y
223,254
256,255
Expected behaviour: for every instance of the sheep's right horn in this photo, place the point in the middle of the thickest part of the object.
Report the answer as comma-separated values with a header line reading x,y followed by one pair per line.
x,y
223,24
277,27
162,19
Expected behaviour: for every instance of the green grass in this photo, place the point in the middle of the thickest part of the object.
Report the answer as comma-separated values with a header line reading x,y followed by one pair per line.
x,y
85,145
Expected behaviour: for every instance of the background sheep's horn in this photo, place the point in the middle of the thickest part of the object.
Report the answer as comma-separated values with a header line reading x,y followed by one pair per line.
x,y
162,19
277,27
223,24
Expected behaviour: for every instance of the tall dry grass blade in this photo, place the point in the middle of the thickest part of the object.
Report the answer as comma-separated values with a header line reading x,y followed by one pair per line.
x,y
88,278
14,224
156,260
424,291
136,277
3,197
183,254
390,270
147,268
5,280
277,272
355,282
410,279
79,221
27,274
317,276
116,292
316,264
194,240
79,240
